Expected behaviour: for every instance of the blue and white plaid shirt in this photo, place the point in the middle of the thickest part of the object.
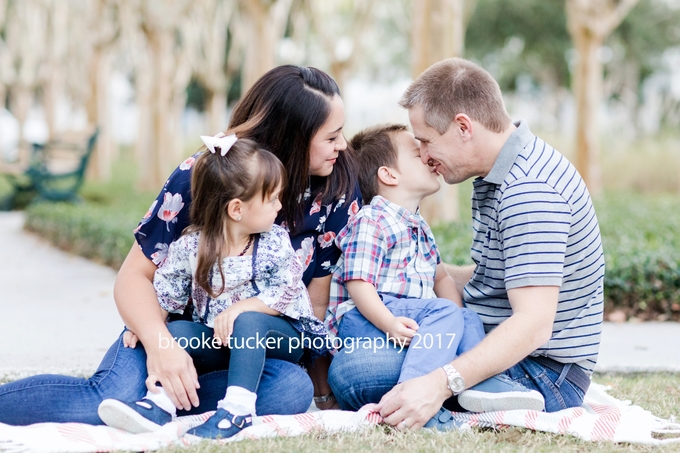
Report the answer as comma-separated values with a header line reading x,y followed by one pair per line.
x,y
389,247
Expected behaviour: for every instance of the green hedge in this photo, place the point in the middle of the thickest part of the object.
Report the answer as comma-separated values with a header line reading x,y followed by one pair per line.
x,y
641,240
87,229
641,237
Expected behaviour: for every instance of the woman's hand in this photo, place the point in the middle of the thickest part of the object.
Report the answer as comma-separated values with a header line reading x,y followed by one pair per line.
x,y
224,323
402,330
138,306
130,339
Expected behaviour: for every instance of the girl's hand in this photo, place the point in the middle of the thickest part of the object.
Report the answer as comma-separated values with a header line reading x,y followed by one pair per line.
x,y
130,339
402,330
224,323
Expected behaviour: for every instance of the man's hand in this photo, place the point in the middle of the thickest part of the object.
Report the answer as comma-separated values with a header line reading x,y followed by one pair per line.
x,y
413,403
402,330
224,323
174,369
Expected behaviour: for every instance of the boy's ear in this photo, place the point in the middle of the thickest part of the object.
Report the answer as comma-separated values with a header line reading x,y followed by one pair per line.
x,y
234,209
388,176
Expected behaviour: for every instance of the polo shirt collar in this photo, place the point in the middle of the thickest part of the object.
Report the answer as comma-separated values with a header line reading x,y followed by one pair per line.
x,y
409,218
509,152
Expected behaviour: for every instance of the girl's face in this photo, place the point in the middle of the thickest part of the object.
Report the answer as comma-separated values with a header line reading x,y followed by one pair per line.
x,y
328,141
259,214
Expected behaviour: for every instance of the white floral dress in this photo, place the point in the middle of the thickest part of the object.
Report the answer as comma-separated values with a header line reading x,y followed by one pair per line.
x,y
273,274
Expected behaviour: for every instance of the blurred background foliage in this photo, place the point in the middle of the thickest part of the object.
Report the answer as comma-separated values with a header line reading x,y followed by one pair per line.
x,y
155,74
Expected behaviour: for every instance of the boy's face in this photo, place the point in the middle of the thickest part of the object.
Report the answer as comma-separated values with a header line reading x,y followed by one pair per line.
x,y
415,176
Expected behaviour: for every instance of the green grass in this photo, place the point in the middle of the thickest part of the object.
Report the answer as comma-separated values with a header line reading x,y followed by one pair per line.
x,y
657,392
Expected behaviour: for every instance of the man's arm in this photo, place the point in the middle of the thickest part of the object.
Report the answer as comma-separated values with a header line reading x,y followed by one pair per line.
x,y
415,401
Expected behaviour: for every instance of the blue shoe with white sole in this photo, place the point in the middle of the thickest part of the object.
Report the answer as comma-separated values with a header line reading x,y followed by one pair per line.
x,y
500,393
222,425
137,417
445,421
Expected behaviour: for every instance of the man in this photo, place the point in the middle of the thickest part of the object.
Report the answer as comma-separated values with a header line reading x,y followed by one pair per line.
x,y
538,279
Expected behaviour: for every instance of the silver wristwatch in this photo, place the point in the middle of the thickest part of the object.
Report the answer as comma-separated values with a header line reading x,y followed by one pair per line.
x,y
456,382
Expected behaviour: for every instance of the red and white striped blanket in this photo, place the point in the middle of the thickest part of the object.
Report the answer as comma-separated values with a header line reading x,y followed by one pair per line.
x,y
601,418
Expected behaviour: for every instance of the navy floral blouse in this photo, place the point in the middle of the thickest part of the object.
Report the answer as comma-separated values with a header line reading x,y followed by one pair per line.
x,y
315,245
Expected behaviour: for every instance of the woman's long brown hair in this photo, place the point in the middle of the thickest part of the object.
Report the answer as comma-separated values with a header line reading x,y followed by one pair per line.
x,y
282,112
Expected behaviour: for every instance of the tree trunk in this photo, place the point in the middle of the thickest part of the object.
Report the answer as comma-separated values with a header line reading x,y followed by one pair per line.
x,y
217,112
266,26
438,32
329,28
587,83
590,22
21,100
144,140
160,50
97,114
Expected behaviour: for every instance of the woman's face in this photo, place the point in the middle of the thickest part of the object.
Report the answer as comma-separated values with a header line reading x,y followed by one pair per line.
x,y
328,141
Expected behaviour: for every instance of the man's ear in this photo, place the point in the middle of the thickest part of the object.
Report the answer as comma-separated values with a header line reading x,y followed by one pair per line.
x,y
463,125
234,209
388,176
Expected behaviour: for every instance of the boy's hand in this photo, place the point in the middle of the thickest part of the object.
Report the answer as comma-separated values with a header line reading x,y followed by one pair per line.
x,y
130,339
402,330
224,323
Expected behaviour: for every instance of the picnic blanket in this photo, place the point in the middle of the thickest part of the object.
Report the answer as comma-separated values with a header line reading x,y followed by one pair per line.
x,y
600,418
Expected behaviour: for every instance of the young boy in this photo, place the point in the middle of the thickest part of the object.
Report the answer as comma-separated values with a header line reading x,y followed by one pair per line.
x,y
391,272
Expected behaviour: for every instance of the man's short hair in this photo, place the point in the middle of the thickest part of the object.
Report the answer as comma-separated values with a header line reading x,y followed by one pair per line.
x,y
374,147
454,86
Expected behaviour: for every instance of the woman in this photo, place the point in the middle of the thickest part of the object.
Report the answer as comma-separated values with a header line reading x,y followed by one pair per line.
x,y
297,114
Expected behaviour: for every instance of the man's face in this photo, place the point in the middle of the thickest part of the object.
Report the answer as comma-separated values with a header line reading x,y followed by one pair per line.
x,y
446,152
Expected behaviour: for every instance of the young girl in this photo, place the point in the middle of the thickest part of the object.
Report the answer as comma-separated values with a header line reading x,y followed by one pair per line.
x,y
245,282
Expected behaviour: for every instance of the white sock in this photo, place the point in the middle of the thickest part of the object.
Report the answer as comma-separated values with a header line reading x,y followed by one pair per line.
x,y
238,401
162,400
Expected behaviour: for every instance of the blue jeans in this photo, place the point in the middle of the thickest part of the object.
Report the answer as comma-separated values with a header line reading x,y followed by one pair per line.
x,y
364,376
285,388
256,337
559,393
444,332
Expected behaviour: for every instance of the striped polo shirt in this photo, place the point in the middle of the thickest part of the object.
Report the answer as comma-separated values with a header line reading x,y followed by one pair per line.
x,y
534,225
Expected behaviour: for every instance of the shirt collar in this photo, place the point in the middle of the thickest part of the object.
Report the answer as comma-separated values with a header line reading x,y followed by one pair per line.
x,y
409,218
509,152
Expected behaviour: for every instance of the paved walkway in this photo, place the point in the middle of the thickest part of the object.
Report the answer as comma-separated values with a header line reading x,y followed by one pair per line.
x,y
58,314
57,309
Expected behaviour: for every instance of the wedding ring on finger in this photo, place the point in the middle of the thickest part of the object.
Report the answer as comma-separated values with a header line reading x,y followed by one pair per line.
x,y
402,424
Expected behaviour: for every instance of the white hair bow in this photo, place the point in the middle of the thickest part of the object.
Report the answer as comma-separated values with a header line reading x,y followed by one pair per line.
x,y
224,142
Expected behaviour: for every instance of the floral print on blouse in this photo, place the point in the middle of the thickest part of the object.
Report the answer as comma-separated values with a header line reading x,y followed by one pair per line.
x,y
273,274
314,244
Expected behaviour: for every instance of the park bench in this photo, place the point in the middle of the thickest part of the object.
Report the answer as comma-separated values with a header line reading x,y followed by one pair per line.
x,y
55,172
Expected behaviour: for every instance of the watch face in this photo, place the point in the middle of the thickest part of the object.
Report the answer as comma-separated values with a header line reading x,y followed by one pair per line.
x,y
457,384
